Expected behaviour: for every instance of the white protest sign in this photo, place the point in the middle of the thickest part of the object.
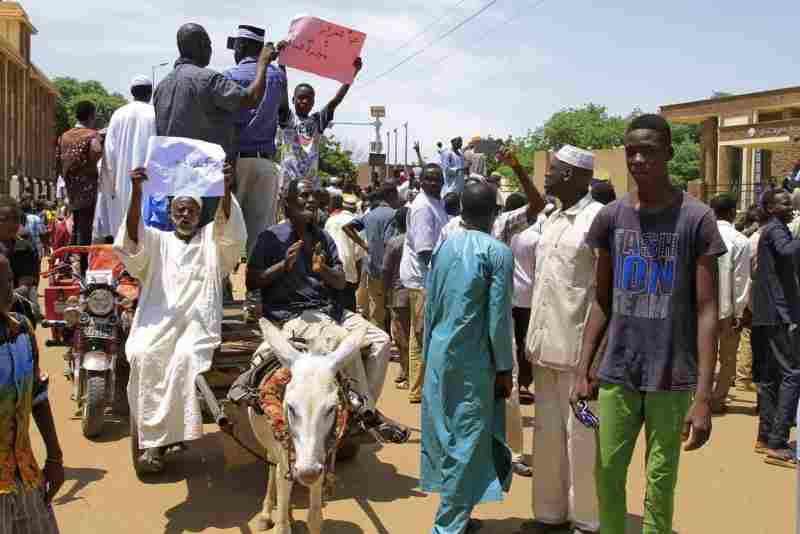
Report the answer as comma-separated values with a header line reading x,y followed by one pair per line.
x,y
177,165
323,48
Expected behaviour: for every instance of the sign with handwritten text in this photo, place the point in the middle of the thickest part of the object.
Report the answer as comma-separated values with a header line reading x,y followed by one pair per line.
x,y
181,166
323,48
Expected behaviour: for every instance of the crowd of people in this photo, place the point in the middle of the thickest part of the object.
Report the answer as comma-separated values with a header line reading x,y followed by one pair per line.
x,y
610,314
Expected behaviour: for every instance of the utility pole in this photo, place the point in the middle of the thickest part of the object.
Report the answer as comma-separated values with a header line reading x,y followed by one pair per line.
x,y
388,151
395,148
405,126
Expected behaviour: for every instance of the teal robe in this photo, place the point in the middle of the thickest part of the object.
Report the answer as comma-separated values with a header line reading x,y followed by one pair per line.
x,y
468,333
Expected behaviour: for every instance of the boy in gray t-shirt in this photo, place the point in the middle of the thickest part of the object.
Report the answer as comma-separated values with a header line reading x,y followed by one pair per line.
x,y
656,299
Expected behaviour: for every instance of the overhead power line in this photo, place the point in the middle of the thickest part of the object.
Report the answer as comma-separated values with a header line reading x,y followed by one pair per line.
x,y
442,36
424,30
485,34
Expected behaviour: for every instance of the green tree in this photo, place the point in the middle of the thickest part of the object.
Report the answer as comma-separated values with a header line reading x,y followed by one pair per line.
x,y
334,160
685,165
72,91
588,127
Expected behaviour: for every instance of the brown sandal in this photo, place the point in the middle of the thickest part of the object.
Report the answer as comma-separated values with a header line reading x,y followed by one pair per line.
x,y
783,458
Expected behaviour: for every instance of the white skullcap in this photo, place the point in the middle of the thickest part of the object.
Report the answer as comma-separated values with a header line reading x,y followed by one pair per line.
x,y
577,157
194,197
141,81
548,209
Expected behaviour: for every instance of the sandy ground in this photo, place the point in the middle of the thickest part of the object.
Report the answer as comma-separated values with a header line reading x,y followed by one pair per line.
x,y
217,487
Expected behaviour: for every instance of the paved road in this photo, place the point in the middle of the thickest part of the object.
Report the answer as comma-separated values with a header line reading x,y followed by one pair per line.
x,y
216,487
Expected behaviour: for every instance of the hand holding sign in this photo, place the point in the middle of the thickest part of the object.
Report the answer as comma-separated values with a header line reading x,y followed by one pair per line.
x,y
323,48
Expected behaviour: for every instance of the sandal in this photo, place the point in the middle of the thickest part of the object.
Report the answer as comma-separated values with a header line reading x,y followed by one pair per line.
x,y
151,461
760,447
526,397
783,458
402,385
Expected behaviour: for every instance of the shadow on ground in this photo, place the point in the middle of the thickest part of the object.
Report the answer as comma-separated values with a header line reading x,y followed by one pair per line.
x,y
80,477
230,497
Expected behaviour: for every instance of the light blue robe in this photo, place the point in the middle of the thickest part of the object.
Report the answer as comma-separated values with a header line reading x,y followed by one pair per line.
x,y
468,333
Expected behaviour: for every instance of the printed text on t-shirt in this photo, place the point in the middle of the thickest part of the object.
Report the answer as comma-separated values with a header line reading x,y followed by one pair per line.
x,y
644,273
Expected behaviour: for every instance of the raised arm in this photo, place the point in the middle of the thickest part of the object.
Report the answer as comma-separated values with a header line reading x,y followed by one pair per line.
x,y
255,91
334,103
419,154
536,202
134,217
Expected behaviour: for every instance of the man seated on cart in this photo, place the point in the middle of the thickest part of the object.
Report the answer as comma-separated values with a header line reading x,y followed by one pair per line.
x,y
297,268
178,323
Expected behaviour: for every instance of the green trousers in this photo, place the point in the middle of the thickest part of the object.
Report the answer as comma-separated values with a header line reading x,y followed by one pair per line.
x,y
622,412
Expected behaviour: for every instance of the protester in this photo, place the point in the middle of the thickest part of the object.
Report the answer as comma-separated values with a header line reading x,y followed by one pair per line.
x,y
523,245
452,204
468,357
426,218
178,320
125,148
453,167
603,192
258,181
656,251
77,153
297,268
734,294
301,132
564,493
776,313
22,257
26,491
476,162
196,102
35,227
396,296
60,233
342,214
379,229
758,218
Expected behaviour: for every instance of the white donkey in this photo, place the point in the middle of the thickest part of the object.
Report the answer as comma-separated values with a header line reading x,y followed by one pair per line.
x,y
310,404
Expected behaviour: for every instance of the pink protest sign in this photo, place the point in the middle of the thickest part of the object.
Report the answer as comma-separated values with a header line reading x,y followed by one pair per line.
x,y
323,48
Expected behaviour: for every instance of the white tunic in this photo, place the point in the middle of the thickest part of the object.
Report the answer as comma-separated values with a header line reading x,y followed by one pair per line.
x,y
125,149
178,322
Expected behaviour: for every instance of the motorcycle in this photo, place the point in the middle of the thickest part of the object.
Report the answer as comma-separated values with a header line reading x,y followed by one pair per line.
x,y
95,322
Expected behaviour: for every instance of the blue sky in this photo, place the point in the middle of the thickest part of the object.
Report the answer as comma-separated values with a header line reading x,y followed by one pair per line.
x,y
503,73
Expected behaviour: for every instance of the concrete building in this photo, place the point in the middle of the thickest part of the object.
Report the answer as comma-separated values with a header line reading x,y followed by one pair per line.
x,y
27,110
747,140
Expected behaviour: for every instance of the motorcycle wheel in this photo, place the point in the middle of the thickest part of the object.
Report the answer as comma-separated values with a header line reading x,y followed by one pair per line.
x,y
94,405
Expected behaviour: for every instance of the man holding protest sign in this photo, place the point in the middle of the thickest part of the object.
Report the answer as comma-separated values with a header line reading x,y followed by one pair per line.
x,y
178,322
301,132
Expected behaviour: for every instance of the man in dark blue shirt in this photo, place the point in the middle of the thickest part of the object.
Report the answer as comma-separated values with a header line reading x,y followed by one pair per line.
x,y
297,268
256,171
379,229
775,334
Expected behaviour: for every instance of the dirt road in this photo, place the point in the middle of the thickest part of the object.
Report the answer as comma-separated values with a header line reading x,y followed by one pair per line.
x,y
217,487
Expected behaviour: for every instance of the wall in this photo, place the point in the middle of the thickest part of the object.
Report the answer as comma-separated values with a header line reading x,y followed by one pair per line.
x,y
784,159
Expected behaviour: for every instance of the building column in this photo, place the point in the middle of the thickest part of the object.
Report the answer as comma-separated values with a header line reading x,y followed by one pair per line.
x,y
708,155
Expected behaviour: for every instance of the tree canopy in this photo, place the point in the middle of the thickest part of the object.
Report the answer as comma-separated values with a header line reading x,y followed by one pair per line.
x,y
72,91
335,160
591,127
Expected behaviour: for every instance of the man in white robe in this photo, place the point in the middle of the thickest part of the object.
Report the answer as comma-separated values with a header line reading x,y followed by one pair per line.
x,y
178,322
125,149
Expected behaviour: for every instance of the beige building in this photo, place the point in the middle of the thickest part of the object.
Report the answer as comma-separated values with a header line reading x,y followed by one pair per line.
x,y
27,110
747,140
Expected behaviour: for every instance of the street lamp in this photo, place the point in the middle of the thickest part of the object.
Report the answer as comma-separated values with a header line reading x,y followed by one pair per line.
x,y
153,69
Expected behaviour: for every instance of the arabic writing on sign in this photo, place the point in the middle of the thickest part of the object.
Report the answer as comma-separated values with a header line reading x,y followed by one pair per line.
x,y
323,48
176,165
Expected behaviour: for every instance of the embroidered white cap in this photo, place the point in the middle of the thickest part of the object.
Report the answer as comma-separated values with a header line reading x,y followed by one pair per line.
x,y
577,157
